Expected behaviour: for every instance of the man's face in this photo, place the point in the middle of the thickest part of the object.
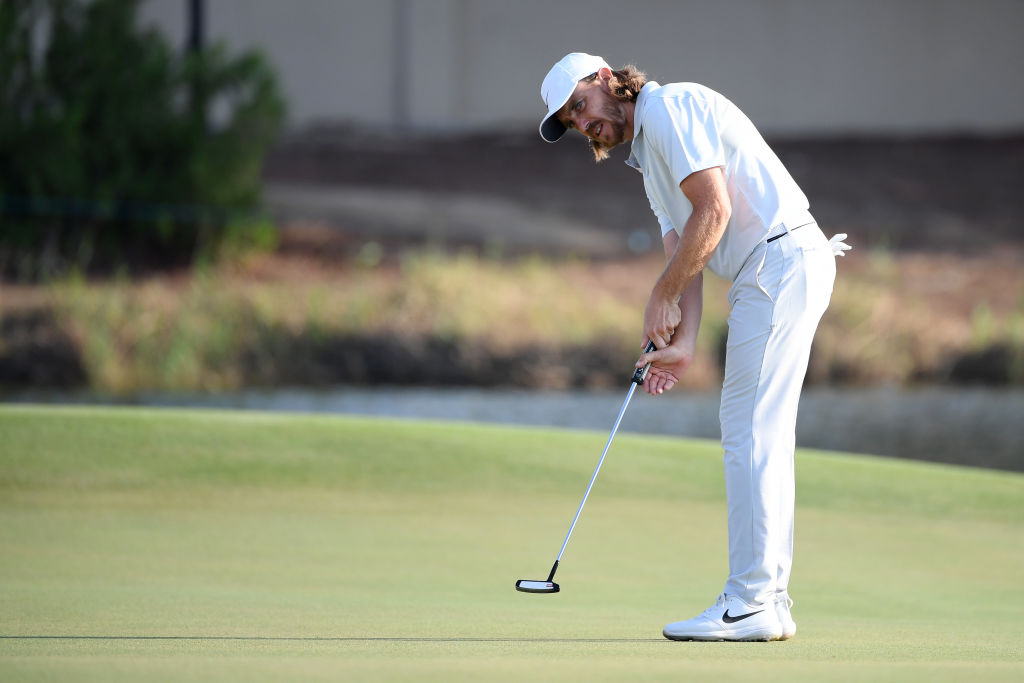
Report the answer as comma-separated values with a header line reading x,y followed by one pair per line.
x,y
596,113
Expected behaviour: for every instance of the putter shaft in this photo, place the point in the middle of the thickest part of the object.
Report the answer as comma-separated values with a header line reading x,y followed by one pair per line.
x,y
593,477
549,586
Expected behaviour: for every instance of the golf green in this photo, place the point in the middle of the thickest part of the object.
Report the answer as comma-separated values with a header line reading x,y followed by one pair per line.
x,y
142,544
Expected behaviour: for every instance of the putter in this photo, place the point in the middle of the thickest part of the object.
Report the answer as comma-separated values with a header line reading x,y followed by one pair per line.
x,y
548,585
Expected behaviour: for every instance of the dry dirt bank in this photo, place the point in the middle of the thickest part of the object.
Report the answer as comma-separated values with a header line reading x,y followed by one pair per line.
x,y
957,194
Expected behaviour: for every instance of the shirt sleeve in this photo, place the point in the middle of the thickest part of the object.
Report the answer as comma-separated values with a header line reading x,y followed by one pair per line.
x,y
663,219
684,130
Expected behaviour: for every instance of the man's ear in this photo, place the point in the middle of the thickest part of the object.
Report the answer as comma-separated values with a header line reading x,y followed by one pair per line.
x,y
605,74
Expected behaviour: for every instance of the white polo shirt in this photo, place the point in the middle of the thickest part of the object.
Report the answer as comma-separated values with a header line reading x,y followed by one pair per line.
x,y
681,128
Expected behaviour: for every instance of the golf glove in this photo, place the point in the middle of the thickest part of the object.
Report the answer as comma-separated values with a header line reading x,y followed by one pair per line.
x,y
837,244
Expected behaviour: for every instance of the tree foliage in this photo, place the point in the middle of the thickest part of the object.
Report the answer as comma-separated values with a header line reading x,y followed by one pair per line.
x,y
116,148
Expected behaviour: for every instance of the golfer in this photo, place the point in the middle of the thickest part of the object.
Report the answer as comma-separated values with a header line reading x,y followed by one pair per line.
x,y
724,202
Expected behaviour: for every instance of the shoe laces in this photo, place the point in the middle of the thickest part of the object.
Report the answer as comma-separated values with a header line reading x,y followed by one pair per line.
x,y
719,603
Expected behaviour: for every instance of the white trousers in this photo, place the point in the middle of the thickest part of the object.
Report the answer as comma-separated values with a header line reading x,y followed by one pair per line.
x,y
776,302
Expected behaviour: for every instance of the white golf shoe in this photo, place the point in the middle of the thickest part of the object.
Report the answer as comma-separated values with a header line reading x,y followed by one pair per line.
x,y
782,606
730,618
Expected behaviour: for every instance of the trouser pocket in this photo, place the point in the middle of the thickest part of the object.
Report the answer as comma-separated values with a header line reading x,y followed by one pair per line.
x,y
771,270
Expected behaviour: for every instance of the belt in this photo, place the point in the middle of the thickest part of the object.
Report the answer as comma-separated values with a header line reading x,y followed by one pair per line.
x,y
772,239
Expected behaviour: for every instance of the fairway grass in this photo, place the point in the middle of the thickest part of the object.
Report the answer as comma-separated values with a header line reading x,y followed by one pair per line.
x,y
143,544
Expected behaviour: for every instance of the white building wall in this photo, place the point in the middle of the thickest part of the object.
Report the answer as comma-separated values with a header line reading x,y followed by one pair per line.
x,y
796,66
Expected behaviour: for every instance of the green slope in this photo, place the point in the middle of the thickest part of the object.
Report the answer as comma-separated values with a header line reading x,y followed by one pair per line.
x,y
177,545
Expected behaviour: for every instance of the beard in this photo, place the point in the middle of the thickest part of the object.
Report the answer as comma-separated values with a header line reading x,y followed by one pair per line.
x,y
615,120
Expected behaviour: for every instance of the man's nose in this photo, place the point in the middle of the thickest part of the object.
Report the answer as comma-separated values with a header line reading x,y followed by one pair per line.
x,y
578,122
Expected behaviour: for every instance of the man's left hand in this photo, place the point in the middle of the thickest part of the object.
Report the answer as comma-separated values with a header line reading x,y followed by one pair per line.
x,y
667,364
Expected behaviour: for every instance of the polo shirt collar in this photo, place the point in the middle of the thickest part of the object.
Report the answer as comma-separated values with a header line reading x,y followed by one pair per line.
x,y
638,120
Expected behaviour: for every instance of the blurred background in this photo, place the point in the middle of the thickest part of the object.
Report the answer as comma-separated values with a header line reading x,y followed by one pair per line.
x,y
345,206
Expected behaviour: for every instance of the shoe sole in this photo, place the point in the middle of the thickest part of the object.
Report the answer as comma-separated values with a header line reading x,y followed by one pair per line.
x,y
714,638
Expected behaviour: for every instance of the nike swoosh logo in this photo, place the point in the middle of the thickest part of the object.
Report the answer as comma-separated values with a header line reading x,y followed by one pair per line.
x,y
732,620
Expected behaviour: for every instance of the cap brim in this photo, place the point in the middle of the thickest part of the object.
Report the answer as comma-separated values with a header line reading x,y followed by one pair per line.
x,y
551,129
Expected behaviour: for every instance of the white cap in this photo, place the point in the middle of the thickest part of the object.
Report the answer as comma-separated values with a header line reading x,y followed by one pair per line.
x,y
559,85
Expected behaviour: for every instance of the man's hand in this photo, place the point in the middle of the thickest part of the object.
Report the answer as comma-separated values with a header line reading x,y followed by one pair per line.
x,y
667,365
661,318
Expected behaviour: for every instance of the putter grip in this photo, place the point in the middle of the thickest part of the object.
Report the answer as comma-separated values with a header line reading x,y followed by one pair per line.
x,y
640,374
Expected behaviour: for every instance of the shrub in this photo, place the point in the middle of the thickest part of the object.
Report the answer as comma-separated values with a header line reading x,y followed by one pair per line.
x,y
115,149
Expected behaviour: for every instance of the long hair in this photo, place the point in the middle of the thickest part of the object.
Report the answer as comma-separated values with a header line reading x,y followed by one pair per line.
x,y
625,86
628,82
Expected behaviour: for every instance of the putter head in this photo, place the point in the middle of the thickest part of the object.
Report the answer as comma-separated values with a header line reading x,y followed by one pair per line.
x,y
526,586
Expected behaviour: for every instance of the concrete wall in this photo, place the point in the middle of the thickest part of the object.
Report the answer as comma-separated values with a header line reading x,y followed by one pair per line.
x,y
796,66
